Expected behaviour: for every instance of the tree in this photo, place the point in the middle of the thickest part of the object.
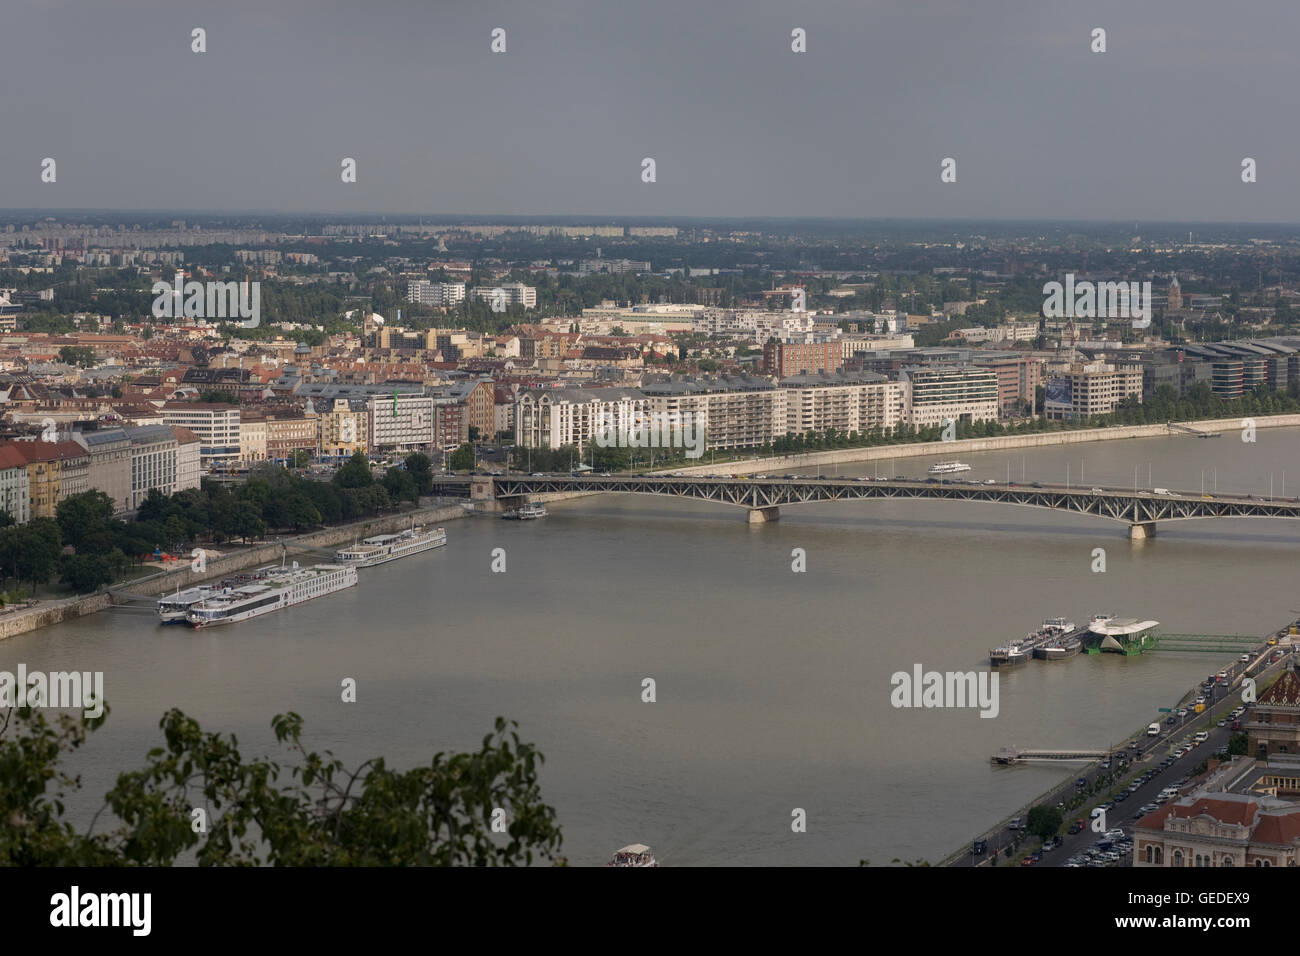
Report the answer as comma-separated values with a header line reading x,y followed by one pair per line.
x,y
462,459
83,515
355,472
420,469
313,812
1043,821
85,572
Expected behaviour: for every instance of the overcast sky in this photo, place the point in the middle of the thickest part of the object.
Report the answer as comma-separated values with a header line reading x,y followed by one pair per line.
x,y
738,124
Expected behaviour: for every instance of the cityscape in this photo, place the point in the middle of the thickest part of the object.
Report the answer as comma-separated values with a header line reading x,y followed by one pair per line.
x,y
928,521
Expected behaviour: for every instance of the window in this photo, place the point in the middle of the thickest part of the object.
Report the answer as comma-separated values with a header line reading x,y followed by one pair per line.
x,y
1178,857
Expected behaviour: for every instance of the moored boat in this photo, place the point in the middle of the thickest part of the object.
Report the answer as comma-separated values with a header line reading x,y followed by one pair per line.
x,y
526,512
634,854
382,548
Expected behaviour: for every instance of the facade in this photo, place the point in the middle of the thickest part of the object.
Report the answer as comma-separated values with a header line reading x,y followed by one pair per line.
x,y
555,417
110,464
516,293
938,394
15,487
252,437
401,423
437,294
784,359
1219,829
1274,725
847,402
55,470
345,427
189,469
1092,388
287,434
739,412
217,426
153,461
1019,377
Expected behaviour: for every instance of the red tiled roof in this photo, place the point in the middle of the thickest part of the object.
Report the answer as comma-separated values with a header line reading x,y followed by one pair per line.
x,y
1285,691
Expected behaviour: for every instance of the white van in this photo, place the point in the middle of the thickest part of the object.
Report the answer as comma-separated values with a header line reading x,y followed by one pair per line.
x,y
1161,491
1153,730
1202,737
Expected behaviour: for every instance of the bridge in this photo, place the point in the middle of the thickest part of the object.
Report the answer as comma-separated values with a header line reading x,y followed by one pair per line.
x,y
764,496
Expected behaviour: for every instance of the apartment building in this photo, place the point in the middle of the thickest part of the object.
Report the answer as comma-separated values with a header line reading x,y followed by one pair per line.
x,y
216,424
400,423
436,294
55,470
847,402
153,461
345,427
1091,388
516,293
110,463
554,417
252,437
189,457
15,486
288,433
784,359
737,412
938,394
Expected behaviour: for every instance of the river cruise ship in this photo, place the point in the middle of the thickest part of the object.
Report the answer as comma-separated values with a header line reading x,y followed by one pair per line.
x,y
383,548
271,593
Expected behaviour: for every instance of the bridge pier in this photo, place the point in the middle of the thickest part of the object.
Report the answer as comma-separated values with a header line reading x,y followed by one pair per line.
x,y
1141,530
764,515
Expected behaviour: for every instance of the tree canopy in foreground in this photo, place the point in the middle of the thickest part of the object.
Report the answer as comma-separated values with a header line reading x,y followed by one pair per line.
x,y
309,811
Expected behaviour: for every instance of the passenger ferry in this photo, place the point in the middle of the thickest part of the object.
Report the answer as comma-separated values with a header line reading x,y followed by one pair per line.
x,y
382,548
634,854
947,467
287,587
531,510
172,609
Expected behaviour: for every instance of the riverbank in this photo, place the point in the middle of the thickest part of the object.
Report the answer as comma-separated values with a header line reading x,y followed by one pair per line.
x,y
52,612
1230,429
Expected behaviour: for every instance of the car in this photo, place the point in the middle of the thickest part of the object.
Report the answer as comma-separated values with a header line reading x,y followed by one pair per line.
x,y
1272,642
1081,782
1222,723
979,846
1222,675
989,481
1171,719
1096,491
1120,797
1016,823
1244,659
537,474
1011,484
1077,826
1182,712
1235,725
764,478
1028,861
1035,484
859,478
1105,765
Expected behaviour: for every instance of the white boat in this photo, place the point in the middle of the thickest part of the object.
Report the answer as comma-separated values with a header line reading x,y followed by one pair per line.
x,y
382,548
947,467
531,510
634,854
172,609
273,592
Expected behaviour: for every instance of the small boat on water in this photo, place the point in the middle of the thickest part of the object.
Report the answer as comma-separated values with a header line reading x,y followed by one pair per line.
x,y
526,512
947,467
634,854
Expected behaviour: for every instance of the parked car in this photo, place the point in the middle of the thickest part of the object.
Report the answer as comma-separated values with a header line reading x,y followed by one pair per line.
x,y
979,847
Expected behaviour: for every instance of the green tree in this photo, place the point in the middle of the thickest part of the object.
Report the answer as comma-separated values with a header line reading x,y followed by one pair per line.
x,y
420,469
311,812
355,473
85,572
1043,821
462,459
82,515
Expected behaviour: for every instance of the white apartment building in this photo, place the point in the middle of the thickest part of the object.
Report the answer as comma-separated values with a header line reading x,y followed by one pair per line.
x,y
189,469
940,393
847,402
751,324
216,424
554,417
402,423
153,461
516,293
437,294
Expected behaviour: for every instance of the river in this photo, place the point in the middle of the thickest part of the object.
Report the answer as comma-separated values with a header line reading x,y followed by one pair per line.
x,y
772,687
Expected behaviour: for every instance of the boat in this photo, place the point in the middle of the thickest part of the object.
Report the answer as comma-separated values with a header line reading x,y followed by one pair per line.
x,y
634,854
947,467
1010,655
1059,650
526,512
382,548
273,592
172,609
1113,635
